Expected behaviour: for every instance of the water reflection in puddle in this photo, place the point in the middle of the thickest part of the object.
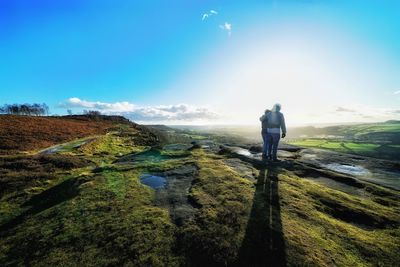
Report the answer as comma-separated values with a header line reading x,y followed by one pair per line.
x,y
175,147
154,181
149,156
244,152
347,169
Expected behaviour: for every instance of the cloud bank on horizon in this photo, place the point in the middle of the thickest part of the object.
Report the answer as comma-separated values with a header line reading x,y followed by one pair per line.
x,y
181,113
189,114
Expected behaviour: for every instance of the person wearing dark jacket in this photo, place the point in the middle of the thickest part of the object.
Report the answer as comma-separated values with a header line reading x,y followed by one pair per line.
x,y
264,133
275,123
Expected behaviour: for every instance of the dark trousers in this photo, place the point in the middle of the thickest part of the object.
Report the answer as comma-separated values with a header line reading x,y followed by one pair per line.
x,y
267,146
272,144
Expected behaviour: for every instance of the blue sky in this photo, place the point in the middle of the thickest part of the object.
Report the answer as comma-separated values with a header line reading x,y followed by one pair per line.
x,y
160,61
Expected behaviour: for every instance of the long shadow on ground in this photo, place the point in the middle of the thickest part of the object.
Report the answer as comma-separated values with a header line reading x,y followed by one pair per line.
x,y
263,244
45,200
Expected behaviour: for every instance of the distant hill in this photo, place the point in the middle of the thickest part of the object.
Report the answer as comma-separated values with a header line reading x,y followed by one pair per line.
x,y
383,132
393,121
24,133
161,127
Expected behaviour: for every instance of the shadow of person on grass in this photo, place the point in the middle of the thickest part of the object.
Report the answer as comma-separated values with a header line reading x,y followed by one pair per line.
x,y
57,194
263,244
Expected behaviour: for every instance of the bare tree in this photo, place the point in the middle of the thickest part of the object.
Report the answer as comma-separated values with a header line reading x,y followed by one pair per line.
x,y
92,112
45,109
25,109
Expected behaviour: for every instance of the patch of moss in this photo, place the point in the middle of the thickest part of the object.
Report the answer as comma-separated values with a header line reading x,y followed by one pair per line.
x,y
108,222
317,237
111,144
80,214
214,236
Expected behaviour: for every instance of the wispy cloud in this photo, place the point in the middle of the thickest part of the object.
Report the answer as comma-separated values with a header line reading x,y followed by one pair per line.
x,y
209,14
358,112
342,109
397,93
162,113
226,27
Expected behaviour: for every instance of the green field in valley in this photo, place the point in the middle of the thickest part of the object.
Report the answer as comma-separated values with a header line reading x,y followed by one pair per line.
x,y
363,149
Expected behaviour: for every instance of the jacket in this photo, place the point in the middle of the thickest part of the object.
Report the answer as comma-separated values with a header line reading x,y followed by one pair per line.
x,y
276,120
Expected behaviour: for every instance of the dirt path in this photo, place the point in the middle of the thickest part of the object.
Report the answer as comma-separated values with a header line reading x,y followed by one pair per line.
x,y
65,146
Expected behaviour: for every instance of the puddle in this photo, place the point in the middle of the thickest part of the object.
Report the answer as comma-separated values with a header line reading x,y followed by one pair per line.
x,y
347,169
172,191
52,150
286,154
175,147
244,152
380,172
155,182
148,156
254,155
309,157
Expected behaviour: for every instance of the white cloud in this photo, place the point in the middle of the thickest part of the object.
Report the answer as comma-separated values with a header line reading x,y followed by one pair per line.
x,y
209,14
226,27
75,102
181,112
397,93
160,114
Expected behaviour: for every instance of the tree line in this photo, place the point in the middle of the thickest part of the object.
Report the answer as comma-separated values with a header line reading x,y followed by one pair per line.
x,y
25,109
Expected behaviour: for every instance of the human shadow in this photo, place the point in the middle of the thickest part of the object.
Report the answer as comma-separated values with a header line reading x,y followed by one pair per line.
x,y
58,194
263,244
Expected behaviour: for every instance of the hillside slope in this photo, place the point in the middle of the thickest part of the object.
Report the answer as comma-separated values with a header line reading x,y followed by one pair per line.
x,y
25,133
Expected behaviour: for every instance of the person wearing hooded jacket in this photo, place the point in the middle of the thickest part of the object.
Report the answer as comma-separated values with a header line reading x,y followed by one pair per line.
x,y
275,122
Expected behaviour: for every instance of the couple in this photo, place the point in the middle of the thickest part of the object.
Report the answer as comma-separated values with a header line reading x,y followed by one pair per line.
x,y
271,123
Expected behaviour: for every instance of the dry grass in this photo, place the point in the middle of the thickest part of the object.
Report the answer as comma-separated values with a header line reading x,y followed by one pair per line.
x,y
25,133
19,172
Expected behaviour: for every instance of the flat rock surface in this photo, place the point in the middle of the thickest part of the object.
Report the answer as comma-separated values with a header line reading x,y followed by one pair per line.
x,y
382,172
174,195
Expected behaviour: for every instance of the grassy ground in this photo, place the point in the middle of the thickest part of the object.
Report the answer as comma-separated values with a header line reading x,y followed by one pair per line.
x,y
324,227
80,207
363,129
284,220
73,211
